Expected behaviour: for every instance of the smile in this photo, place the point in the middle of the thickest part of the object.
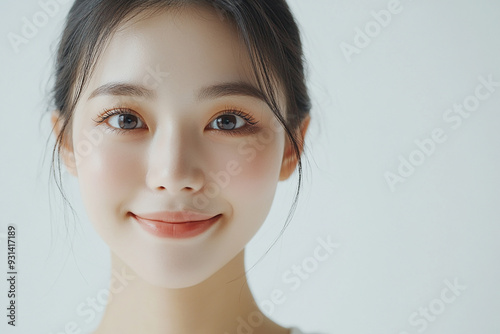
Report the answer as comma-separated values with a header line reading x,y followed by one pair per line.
x,y
177,225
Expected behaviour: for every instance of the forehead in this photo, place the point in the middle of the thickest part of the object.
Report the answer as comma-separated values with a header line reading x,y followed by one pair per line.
x,y
183,47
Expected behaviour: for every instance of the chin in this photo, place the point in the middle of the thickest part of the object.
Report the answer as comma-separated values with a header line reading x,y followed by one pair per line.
x,y
175,268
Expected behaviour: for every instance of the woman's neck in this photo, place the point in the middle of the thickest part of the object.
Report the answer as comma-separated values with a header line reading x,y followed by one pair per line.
x,y
222,304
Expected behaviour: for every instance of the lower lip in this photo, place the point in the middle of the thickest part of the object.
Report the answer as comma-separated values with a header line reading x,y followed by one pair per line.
x,y
176,230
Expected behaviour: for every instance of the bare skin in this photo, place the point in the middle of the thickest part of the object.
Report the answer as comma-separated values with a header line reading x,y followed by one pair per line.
x,y
178,287
211,307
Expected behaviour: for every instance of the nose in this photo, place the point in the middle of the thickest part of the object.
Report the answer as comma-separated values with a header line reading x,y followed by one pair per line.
x,y
174,163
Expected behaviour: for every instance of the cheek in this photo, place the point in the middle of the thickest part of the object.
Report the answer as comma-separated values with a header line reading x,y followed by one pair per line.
x,y
258,160
107,177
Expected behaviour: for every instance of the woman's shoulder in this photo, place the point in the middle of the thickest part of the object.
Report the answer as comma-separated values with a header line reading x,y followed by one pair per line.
x,y
295,330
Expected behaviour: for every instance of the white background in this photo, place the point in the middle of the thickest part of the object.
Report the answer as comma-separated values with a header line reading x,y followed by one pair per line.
x,y
396,248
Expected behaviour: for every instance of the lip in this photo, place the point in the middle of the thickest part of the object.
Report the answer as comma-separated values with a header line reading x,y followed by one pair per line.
x,y
177,225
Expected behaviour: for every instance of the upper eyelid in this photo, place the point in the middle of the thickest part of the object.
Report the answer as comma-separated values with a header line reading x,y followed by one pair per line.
x,y
107,113
248,117
125,110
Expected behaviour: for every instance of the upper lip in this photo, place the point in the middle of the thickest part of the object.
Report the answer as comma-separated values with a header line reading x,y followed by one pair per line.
x,y
175,216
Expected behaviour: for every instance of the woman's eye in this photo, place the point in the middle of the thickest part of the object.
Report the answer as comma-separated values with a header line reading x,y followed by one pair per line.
x,y
125,121
228,122
232,122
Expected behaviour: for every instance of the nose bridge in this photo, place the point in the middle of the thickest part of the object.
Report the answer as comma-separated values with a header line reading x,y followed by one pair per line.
x,y
172,159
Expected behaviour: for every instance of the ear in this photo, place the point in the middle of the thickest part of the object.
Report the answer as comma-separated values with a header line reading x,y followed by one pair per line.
x,y
67,153
290,161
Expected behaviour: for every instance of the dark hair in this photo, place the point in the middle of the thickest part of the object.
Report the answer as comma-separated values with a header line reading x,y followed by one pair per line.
x,y
267,28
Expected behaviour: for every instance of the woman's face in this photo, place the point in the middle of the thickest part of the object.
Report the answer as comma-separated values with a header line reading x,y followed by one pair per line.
x,y
193,137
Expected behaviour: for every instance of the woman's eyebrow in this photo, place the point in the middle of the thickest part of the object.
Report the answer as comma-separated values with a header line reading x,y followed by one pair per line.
x,y
122,89
231,88
209,92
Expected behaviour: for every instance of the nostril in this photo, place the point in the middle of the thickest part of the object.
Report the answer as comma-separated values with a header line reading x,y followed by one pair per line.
x,y
185,188
175,180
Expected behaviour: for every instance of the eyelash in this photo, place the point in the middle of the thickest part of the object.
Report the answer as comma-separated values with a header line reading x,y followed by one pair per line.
x,y
107,113
250,127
